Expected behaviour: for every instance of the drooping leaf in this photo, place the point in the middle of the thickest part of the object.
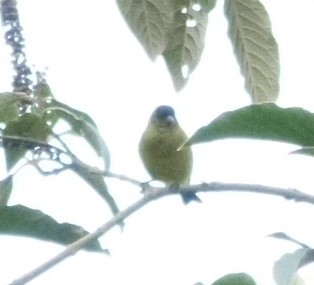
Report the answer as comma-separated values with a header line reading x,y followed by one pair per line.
x,y
6,186
175,29
22,221
255,48
81,124
9,105
284,236
95,180
26,126
235,279
265,121
186,39
285,269
149,21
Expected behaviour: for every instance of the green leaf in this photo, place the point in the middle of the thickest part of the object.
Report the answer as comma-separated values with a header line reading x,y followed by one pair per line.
x,y
6,186
175,29
285,269
9,105
255,48
95,180
284,236
81,124
27,126
265,121
186,40
22,221
235,279
149,21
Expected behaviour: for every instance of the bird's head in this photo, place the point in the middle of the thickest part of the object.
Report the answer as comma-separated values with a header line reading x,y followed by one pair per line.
x,y
163,117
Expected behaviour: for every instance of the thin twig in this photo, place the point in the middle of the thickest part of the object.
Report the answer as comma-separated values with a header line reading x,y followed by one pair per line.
x,y
154,193
123,178
54,171
63,144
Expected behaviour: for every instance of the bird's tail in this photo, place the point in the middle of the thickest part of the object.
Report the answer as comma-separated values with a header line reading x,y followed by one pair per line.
x,y
189,197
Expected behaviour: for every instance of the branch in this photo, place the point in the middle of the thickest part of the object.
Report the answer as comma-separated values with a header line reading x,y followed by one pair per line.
x,y
290,194
153,193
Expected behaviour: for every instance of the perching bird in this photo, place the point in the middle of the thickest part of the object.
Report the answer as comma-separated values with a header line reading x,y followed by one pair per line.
x,y
158,149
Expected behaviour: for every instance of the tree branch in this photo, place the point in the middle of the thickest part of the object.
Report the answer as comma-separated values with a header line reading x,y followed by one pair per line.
x,y
291,194
153,193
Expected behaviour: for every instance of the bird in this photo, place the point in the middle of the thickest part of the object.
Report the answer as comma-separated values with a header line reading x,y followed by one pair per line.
x,y
158,149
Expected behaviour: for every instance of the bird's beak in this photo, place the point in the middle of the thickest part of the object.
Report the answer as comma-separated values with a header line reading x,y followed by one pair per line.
x,y
165,122
170,119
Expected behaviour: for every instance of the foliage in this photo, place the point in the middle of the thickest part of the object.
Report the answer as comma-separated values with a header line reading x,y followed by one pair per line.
x,y
265,122
29,135
20,220
175,30
235,279
285,269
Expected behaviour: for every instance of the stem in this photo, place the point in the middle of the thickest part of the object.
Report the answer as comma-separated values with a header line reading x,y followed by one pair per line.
x,y
291,194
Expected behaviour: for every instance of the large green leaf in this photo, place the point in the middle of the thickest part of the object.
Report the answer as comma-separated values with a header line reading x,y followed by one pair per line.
x,y
27,126
265,121
22,221
186,39
175,29
235,279
255,48
81,124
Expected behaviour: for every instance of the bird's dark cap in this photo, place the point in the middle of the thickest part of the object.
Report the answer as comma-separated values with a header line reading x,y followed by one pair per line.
x,y
163,112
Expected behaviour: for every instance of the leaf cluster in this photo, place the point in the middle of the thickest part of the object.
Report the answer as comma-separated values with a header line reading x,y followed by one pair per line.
x,y
176,31
29,137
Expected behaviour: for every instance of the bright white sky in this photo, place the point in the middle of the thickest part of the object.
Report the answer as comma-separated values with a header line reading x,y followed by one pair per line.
x,y
95,64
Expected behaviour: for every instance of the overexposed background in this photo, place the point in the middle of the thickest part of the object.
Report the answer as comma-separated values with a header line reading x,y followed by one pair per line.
x,y
95,64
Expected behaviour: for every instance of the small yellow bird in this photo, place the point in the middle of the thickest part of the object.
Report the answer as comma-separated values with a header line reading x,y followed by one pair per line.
x,y
158,149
